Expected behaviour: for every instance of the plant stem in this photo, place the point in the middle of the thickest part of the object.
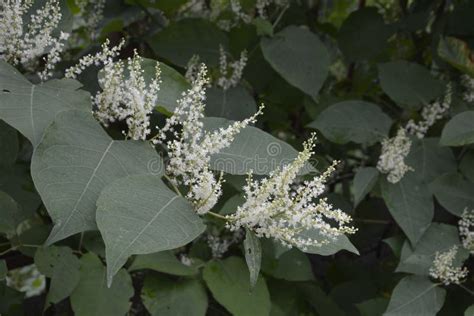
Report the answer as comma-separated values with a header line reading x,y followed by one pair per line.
x,y
466,289
371,221
218,216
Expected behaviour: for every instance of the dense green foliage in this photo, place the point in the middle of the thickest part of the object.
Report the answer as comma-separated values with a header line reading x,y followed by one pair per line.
x,y
97,216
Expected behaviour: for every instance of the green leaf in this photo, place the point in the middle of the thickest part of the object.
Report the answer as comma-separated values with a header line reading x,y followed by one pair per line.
x,y
253,256
8,144
92,297
162,296
31,108
469,311
410,204
364,180
165,262
172,85
459,130
416,295
438,237
299,57
75,161
322,303
264,27
363,35
229,283
429,160
453,192
180,40
341,243
466,166
149,219
357,121
16,181
62,267
292,265
375,306
11,215
252,149
456,53
234,103
409,84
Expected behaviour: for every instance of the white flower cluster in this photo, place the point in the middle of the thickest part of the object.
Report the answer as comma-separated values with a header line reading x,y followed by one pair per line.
x,y
466,230
443,269
396,149
220,245
392,159
276,207
22,44
430,114
225,81
101,58
190,151
127,98
468,84
92,12
27,279
192,68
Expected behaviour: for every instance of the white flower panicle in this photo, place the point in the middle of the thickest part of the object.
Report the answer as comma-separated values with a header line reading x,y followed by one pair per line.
x,y
466,230
468,84
392,159
92,12
430,114
129,99
226,81
23,44
443,269
277,207
103,57
192,68
191,149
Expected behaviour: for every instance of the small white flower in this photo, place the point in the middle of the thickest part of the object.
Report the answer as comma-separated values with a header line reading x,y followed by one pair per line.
x,y
392,158
466,230
278,207
443,269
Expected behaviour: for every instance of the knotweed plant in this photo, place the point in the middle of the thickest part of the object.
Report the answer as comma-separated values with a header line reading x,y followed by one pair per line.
x,y
191,149
27,40
277,208
443,268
